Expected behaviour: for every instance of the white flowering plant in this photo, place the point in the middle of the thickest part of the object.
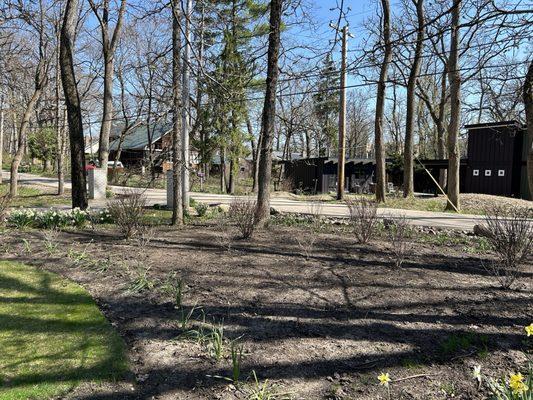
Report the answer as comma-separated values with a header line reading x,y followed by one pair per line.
x,y
21,218
56,219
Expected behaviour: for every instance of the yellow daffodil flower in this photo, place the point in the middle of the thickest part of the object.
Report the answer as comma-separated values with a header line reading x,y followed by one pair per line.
x,y
384,379
529,330
516,383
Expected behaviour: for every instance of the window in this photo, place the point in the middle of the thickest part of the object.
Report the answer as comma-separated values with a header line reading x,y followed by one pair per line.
x,y
501,172
475,172
488,172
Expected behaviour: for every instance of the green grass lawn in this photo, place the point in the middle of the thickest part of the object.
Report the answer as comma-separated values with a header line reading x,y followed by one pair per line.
x,y
52,336
32,197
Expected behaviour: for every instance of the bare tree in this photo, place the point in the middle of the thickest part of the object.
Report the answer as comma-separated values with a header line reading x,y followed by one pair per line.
x,y
380,104
408,174
528,103
41,78
72,100
109,44
269,112
177,198
455,111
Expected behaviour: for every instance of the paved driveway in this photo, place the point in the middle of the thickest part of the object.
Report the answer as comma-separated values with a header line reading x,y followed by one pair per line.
x,y
158,196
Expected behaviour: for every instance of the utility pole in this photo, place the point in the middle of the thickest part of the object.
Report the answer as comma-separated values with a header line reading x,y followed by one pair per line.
x,y
341,156
185,108
342,119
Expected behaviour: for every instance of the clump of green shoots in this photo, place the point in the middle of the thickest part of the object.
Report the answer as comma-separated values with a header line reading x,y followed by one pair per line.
x,y
141,282
236,357
265,391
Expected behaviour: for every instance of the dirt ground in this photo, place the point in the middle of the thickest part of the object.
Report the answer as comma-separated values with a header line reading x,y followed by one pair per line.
x,y
321,327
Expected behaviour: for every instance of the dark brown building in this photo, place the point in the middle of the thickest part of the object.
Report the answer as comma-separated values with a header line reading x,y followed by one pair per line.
x,y
497,159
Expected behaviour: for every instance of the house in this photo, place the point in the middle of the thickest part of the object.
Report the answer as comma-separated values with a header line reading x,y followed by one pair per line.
x,y
497,158
319,174
495,164
135,148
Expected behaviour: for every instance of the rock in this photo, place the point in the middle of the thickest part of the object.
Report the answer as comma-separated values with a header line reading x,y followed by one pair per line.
x,y
223,208
481,230
273,211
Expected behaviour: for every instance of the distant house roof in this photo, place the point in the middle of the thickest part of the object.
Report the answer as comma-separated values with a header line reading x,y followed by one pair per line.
x,y
279,156
137,139
501,124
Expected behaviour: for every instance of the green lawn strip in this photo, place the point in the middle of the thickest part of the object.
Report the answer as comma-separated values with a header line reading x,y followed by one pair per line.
x,y
29,196
52,336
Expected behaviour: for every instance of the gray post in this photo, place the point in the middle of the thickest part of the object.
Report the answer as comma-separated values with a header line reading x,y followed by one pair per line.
x,y
170,189
97,183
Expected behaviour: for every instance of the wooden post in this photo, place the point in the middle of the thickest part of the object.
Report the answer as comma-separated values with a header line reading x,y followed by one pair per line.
x,y
342,120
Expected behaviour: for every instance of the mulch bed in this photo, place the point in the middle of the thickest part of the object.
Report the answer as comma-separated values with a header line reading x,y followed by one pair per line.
x,y
321,327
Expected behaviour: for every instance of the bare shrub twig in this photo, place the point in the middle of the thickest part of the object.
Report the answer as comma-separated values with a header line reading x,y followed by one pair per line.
x,y
127,212
363,219
242,213
510,235
398,235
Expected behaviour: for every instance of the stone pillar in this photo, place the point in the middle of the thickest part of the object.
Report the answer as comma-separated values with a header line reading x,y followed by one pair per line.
x,y
170,189
97,183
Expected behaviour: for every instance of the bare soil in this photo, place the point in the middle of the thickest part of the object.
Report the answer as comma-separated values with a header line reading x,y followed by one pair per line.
x,y
321,327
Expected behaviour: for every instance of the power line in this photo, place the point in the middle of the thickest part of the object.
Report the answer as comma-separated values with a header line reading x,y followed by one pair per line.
x,y
313,91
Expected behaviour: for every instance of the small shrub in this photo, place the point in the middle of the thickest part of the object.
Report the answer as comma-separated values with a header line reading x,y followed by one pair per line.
x,y
363,219
201,209
128,212
242,213
510,235
398,235
224,233
307,238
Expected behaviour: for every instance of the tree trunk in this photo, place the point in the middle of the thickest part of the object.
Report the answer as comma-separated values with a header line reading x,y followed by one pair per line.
x,y
455,111
59,129
109,44
61,155
380,105
256,163
255,152
74,111
24,124
408,154
441,129
528,103
232,176
269,112
185,165
222,170
107,117
1,135
177,199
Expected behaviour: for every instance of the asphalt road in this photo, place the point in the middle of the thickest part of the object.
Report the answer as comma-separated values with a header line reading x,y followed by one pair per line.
x,y
158,196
